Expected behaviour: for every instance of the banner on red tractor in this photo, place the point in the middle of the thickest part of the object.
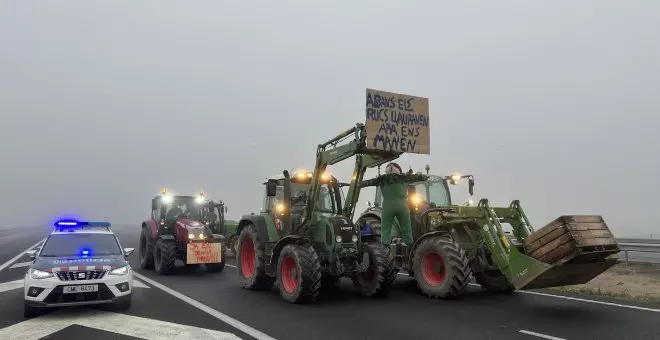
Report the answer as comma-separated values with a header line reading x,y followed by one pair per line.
x,y
203,253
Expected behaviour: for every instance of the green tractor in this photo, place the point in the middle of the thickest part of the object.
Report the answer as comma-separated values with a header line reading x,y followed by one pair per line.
x,y
453,242
214,217
301,238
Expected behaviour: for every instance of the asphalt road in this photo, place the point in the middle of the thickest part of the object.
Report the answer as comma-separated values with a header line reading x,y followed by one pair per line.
x,y
220,304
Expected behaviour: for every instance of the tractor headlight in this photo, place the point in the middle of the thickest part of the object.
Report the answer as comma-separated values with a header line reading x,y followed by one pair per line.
x,y
166,199
279,208
338,239
354,238
119,271
191,236
201,236
40,274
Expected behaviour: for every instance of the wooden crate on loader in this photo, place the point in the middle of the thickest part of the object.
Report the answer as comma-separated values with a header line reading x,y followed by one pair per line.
x,y
572,238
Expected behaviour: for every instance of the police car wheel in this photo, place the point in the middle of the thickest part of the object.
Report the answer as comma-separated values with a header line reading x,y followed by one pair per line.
x,y
31,312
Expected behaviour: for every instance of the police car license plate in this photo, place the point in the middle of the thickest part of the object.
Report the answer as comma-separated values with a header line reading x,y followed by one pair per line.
x,y
80,289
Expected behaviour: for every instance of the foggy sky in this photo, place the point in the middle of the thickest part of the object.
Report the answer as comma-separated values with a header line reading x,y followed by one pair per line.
x,y
554,103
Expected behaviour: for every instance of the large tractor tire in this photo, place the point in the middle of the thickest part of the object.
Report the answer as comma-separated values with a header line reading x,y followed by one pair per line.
x,y
164,256
251,260
441,268
376,280
494,281
299,274
146,250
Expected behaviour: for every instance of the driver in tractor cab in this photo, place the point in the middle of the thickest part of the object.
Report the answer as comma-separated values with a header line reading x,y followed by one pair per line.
x,y
174,212
210,214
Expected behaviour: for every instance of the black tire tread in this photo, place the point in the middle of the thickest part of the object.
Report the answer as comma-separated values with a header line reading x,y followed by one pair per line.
x,y
459,267
146,259
261,281
167,257
310,273
497,283
385,271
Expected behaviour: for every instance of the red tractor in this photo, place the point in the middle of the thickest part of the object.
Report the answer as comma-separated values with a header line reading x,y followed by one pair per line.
x,y
179,228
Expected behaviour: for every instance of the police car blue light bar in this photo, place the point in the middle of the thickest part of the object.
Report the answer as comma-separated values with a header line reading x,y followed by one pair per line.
x,y
74,224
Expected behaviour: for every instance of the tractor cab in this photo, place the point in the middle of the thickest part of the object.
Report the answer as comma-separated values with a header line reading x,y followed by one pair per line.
x,y
328,204
168,208
213,215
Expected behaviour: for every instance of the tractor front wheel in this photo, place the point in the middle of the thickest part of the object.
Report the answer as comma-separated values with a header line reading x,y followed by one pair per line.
x,y
493,281
380,274
299,273
146,250
441,268
164,256
251,260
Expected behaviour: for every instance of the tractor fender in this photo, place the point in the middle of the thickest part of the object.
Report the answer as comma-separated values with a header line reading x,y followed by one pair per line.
x,y
258,221
285,241
218,238
420,239
153,228
166,237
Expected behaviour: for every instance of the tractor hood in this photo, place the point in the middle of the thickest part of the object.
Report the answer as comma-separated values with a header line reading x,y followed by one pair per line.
x,y
79,263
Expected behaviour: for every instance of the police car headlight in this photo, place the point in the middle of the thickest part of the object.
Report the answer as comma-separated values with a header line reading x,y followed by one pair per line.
x,y
119,271
40,274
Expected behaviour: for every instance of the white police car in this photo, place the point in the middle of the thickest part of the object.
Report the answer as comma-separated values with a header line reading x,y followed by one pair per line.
x,y
80,263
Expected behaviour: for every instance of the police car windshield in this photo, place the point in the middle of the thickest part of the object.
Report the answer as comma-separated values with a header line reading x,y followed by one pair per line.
x,y
74,244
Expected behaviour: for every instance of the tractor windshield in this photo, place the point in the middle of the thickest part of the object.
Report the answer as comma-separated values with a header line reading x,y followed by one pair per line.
x,y
430,192
184,206
299,191
434,192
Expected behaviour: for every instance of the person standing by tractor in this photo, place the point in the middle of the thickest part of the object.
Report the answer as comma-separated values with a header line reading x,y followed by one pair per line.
x,y
394,187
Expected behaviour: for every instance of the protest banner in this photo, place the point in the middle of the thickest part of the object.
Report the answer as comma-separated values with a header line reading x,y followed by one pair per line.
x,y
397,122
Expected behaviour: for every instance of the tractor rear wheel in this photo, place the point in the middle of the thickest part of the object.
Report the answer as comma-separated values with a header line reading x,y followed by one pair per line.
x,y
164,256
299,273
494,281
251,260
380,274
442,270
146,250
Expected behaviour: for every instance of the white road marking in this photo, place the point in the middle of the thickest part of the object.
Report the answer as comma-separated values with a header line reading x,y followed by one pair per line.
x,y
539,335
216,314
11,285
6,264
45,325
20,264
139,284
575,299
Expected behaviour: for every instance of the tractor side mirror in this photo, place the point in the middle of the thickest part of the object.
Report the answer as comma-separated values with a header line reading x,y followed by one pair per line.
x,y
226,209
471,186
271,189
369,204
154,205
32,254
